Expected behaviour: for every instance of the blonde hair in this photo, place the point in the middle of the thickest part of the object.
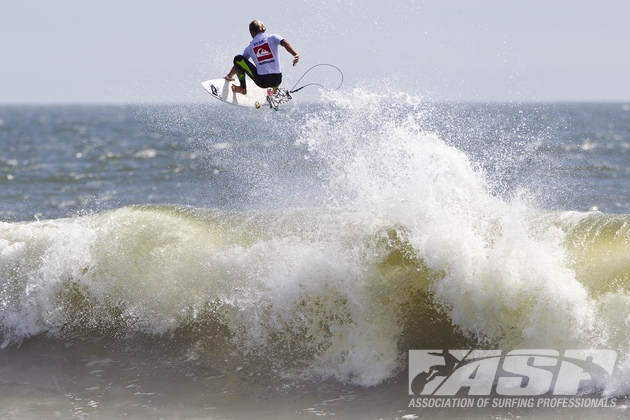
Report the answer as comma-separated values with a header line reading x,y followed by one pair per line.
x,y
257,26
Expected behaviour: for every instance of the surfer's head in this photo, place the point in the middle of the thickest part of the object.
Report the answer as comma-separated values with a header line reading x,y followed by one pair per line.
x,y
256,27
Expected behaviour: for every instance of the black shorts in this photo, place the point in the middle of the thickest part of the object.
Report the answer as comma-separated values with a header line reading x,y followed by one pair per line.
x,y
243,66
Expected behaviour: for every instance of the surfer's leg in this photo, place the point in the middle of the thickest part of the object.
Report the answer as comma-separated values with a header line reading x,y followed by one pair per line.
x,y
243,67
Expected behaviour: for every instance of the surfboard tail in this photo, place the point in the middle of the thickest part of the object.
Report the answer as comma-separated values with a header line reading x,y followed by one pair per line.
x,y
280,97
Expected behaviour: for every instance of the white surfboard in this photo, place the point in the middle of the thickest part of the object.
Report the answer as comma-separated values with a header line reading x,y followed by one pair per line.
x,y
256,97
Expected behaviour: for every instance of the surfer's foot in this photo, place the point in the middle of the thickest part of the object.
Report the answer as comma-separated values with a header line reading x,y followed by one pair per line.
x,y
238,89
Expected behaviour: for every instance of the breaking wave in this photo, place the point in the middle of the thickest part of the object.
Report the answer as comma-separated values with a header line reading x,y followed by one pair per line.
x,y
415,249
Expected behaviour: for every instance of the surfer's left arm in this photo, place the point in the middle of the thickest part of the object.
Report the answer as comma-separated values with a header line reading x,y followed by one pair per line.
x,y
291,50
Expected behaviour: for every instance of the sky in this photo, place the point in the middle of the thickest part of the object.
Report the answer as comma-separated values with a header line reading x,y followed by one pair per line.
x,y
147,51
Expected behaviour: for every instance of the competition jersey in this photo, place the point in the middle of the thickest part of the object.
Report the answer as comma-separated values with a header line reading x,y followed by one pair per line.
x,y
263,51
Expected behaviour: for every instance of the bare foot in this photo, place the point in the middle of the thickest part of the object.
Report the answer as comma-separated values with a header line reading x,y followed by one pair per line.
x,y
238,89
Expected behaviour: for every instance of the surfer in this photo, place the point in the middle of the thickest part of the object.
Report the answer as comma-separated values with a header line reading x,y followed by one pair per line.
x,y
450,363
263,50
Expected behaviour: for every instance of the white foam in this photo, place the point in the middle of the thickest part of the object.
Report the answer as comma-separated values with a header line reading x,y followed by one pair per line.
x,y
505,276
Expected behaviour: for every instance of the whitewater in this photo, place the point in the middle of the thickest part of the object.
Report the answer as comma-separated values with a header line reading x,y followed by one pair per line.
x,y
200,262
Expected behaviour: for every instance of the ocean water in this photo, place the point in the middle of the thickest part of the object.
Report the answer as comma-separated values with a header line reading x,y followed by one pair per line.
x,y
204,261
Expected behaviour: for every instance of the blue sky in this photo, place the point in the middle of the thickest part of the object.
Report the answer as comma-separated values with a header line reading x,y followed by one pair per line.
x,y
114,51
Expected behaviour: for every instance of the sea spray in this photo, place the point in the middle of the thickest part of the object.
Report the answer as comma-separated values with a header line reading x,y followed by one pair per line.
x,y
502,281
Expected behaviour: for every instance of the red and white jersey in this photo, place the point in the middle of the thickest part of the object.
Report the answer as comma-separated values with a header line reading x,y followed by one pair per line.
x,y
263,51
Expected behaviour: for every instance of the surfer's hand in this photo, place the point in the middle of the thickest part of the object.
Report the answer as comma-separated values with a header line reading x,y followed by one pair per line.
x,y
296,58
229,78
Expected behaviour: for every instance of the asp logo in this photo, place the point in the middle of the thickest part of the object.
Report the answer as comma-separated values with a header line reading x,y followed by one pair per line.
x,y
517,373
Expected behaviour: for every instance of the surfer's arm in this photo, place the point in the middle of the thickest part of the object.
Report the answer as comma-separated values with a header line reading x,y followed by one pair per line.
x,y
230,75
291,50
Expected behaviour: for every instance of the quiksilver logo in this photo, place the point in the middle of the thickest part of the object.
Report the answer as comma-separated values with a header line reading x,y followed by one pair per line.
x,y
517,373
263,52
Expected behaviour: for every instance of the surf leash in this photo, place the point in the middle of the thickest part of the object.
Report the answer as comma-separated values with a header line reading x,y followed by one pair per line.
x,y
293,89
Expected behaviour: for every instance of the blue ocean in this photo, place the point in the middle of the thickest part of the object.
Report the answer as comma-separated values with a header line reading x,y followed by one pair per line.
x,y
204,261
